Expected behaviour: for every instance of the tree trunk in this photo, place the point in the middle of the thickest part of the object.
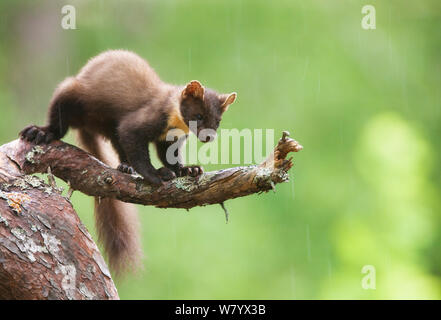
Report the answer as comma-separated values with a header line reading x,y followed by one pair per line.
x,y
45,250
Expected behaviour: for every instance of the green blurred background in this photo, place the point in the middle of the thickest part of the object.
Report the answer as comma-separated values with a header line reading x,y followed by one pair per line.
x,y
364,103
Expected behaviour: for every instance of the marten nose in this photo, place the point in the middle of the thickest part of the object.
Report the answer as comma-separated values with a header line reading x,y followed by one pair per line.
x,y
210,137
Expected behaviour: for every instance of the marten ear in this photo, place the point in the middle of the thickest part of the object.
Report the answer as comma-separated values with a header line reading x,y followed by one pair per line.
x,y
193,89
229,99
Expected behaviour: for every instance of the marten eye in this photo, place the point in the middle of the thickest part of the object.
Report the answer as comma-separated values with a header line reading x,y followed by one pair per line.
x,y
199,116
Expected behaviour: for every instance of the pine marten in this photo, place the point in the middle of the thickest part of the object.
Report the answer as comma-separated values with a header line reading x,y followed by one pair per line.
x,y
118,96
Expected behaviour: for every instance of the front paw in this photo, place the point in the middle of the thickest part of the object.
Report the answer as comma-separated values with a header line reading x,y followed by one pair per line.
x,y
153,179
124,167
166,174
192,171
37,135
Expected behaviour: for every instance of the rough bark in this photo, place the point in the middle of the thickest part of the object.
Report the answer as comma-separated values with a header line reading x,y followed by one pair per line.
x,y
45,250
87,174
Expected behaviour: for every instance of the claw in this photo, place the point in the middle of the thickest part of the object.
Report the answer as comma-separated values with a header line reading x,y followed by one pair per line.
x,y
125,168
192,171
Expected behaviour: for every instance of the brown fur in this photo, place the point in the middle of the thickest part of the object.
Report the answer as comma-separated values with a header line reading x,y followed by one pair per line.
x,y
118,96
116,221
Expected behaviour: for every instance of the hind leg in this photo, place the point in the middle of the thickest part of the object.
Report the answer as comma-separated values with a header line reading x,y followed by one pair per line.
x,y
55,129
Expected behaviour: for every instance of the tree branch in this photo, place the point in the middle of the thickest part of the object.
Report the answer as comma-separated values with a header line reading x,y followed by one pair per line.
x,y
87,174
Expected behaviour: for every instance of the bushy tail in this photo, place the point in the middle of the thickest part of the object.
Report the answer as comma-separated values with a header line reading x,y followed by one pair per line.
x,y
116,222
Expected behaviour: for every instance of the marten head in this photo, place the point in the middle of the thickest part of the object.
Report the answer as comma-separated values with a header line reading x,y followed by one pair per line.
x,y
205,107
